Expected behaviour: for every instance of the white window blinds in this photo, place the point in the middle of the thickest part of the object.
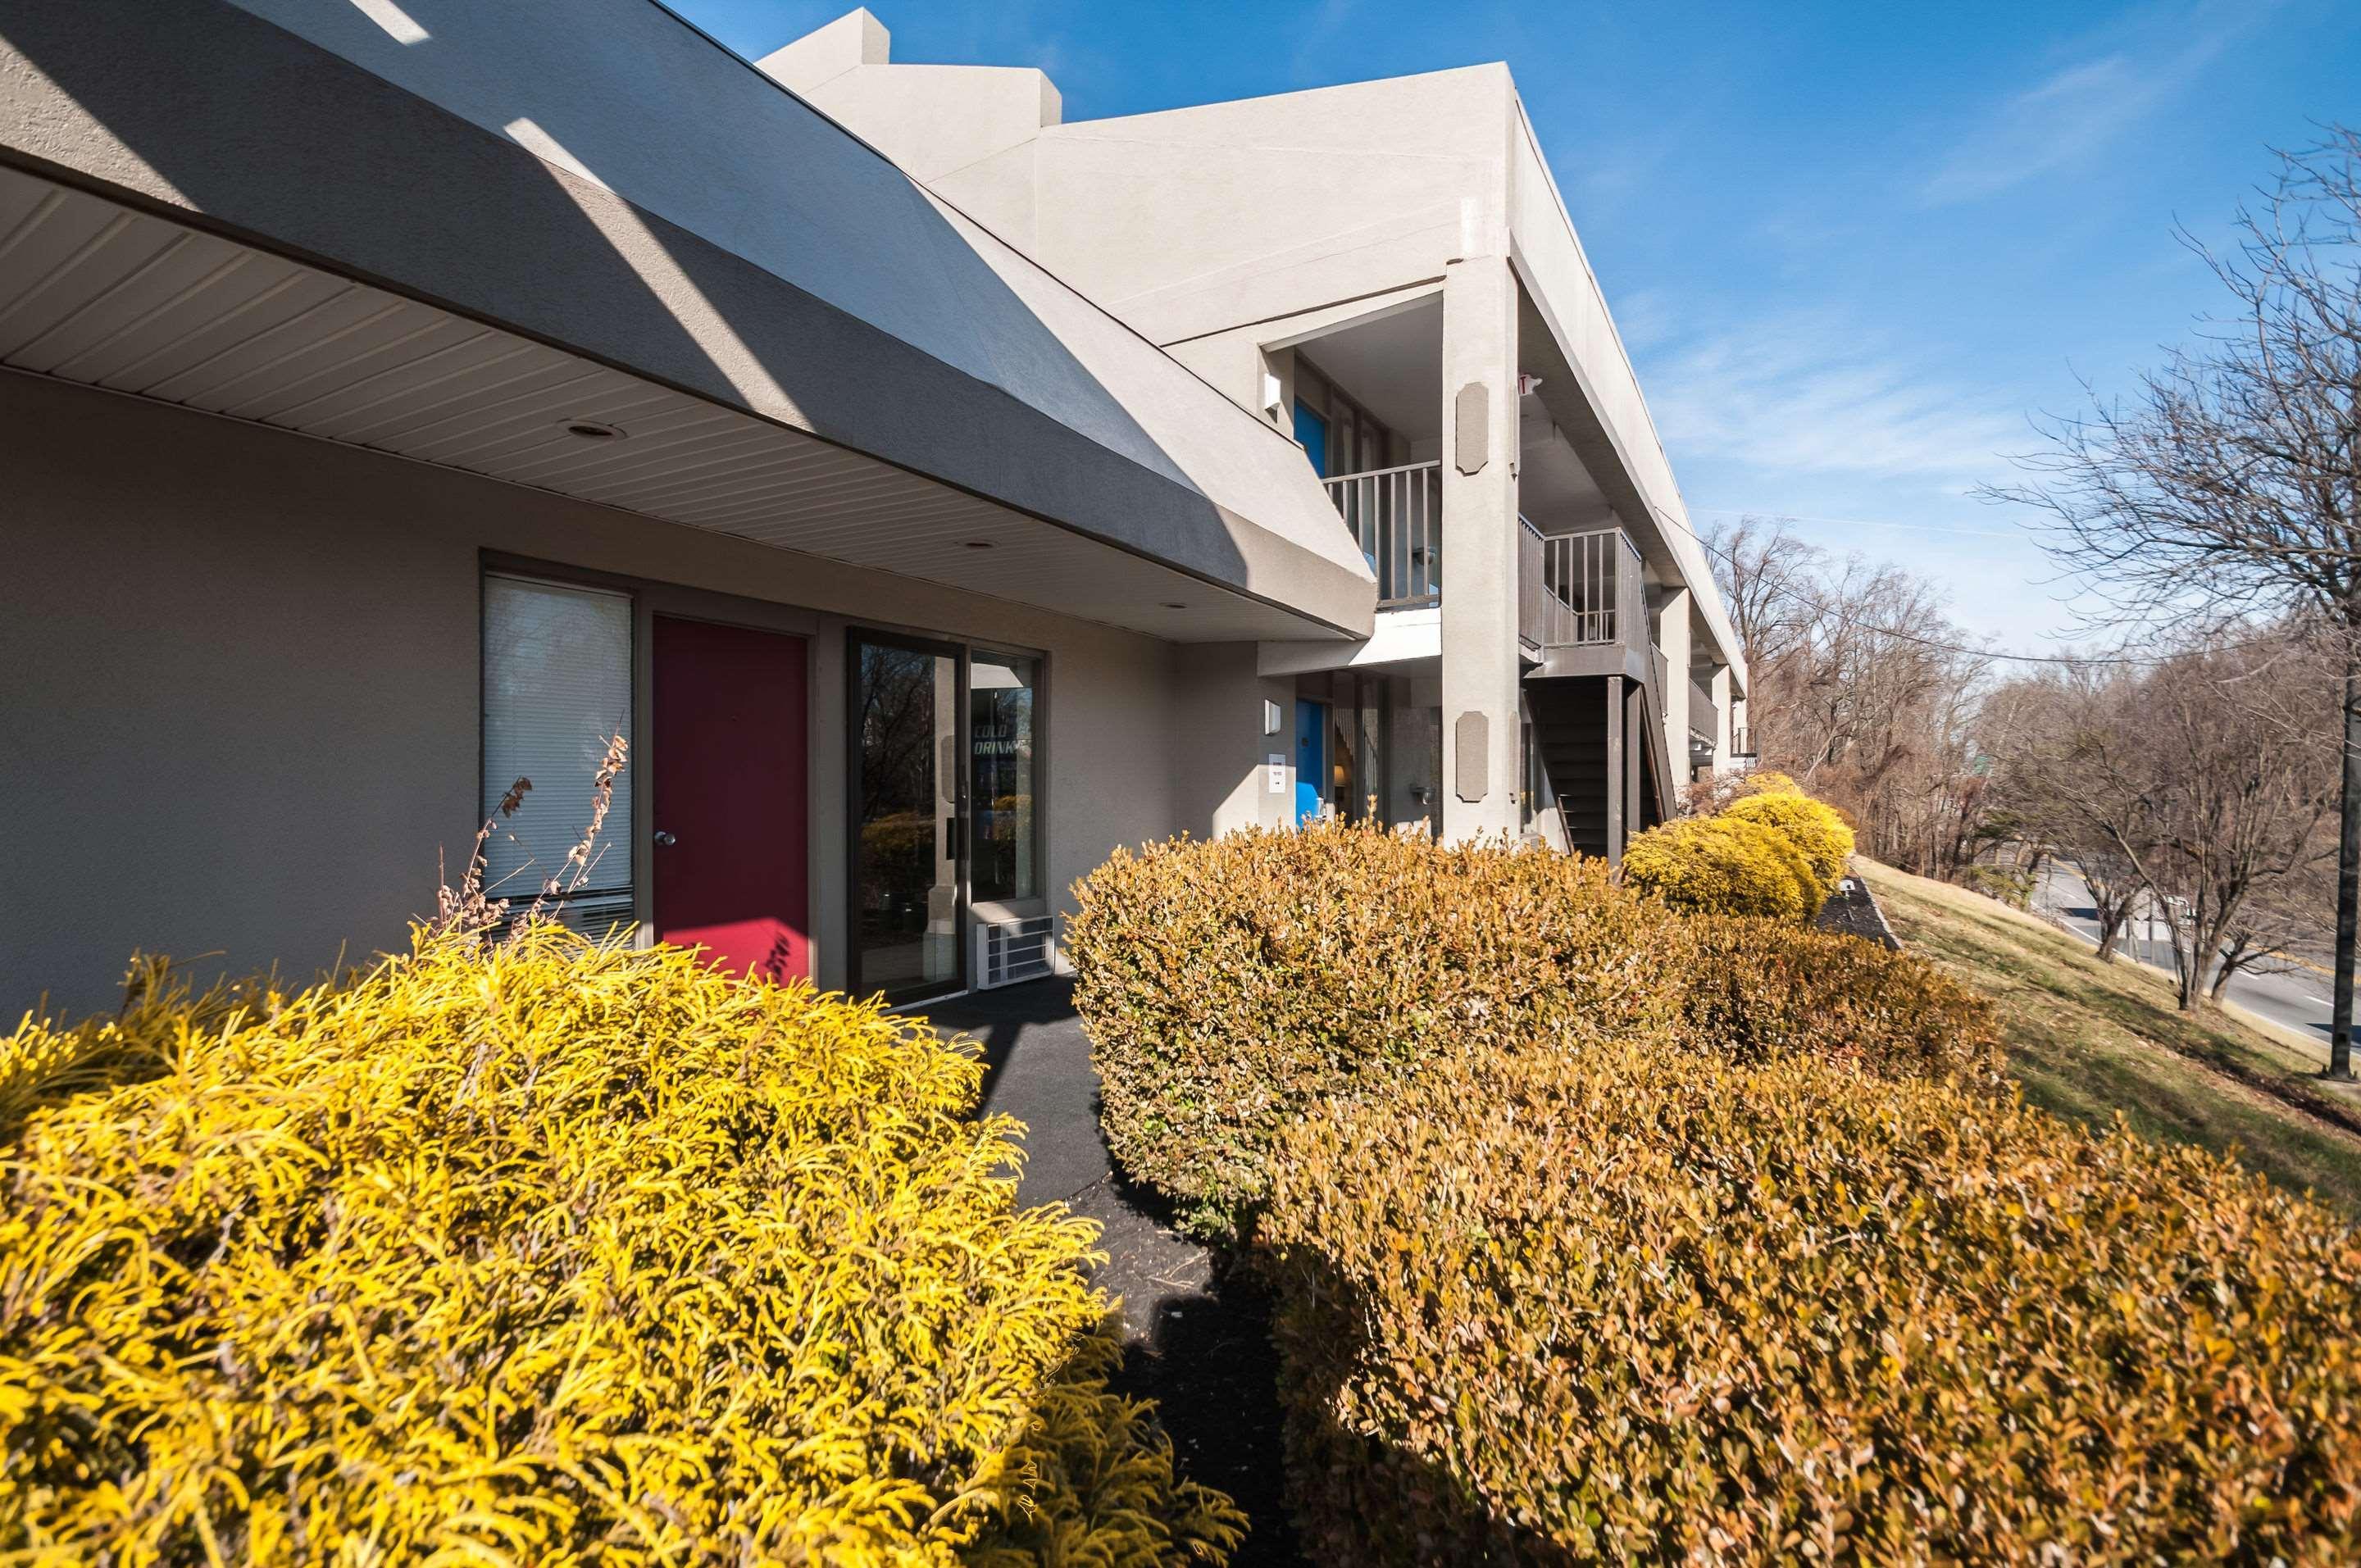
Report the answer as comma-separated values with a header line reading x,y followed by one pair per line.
x,y
557,683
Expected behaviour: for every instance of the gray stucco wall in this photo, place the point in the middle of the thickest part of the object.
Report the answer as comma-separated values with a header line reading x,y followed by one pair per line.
x,y
1219,767
242,690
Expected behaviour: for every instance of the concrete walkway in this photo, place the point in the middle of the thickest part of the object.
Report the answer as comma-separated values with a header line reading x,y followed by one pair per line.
x,y
1197,1345
1037,1066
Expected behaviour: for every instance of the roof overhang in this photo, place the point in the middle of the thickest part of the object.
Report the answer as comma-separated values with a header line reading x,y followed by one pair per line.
x,y
160,160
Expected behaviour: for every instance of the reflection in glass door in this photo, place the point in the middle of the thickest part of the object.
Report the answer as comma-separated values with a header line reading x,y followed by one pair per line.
x,y
1001,689
908,818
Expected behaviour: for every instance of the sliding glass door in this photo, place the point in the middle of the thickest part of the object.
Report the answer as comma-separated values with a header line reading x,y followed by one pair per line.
x,y
909,798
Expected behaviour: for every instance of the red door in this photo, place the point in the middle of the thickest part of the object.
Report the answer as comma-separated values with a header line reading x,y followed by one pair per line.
x,y
732,863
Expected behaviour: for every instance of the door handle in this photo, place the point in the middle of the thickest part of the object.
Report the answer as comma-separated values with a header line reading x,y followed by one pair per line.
x,y
665,841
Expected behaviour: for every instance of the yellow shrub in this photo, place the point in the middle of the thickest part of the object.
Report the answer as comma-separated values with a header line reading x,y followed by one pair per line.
x,y
1766,782
550,1255
1626,1303
1814,828
1722,865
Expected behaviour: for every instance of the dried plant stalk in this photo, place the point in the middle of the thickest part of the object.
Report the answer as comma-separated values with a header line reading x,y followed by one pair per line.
x,y
465,910
582,858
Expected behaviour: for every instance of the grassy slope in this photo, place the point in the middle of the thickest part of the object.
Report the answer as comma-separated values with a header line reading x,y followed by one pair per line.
x,y
2090,1039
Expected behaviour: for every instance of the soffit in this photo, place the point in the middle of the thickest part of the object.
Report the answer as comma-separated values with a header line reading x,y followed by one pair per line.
x,y
96,292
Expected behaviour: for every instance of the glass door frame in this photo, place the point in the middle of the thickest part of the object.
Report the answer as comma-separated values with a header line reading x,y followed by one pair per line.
x,y
958,653
1006,653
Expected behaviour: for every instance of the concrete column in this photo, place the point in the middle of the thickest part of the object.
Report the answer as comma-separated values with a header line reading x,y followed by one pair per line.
x,y
1480,672
1724,721
1673,637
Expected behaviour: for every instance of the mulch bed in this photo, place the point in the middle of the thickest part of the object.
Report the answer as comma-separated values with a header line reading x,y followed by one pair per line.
x,y
1853,910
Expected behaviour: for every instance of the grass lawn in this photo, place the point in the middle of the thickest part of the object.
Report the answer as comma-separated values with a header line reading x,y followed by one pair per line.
x,y
2089,1039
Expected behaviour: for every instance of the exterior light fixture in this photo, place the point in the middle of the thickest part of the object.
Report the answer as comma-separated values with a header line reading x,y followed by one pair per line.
x,y
593,430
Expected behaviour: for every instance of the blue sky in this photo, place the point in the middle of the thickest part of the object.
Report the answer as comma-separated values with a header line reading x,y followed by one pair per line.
x,y
1852,247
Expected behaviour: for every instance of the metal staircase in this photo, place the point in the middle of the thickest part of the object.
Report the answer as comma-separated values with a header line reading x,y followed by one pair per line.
x,y
1594,690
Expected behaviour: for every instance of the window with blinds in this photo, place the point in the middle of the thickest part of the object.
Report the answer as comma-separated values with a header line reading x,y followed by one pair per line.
x,y
557,683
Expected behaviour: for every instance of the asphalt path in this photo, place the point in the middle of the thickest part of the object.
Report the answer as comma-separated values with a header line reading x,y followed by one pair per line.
x,y
2296,999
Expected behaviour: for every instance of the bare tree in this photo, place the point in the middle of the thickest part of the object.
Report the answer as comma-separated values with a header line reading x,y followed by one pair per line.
x,y
2075,779
2199,787
2279,923
2114,883
2246,779
2229,486
1767,576
1856,687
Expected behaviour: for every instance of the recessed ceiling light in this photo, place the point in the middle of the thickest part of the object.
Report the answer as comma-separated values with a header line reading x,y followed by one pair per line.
x,y
593,430
977,544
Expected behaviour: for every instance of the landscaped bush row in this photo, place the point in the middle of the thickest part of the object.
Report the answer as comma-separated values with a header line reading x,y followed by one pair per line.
x,y
1232,987
1627,1301
1601,1231
1774,853
1760,987
546,1253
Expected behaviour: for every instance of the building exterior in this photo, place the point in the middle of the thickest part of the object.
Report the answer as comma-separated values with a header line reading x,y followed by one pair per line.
x,y
400,399
1386,273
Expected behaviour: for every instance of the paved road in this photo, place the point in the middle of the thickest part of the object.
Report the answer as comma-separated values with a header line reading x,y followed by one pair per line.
x,y
2297,1000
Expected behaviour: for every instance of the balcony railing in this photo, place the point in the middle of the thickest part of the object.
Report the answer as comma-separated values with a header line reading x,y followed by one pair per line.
x,y
1705,718
1397,516
1580,589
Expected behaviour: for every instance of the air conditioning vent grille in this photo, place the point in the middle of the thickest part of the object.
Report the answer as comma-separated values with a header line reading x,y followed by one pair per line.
x,y
1011,950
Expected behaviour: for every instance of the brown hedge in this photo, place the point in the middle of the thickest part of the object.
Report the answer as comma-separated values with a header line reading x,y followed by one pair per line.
x,y
1758,987
1626,1301
1229,987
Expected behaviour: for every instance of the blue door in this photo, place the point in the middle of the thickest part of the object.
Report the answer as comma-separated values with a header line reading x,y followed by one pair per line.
x,y
1310,758
1312,430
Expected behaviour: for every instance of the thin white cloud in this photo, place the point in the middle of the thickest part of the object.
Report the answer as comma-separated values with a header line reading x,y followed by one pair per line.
x,y
1315,38
1645,317
1815,394
2082,109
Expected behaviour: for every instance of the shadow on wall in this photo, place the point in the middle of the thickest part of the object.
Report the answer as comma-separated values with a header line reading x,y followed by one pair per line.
x,y
486,176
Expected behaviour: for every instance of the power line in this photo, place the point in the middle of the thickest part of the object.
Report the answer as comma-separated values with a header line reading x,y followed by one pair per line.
x,y
1876,523
1935,643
